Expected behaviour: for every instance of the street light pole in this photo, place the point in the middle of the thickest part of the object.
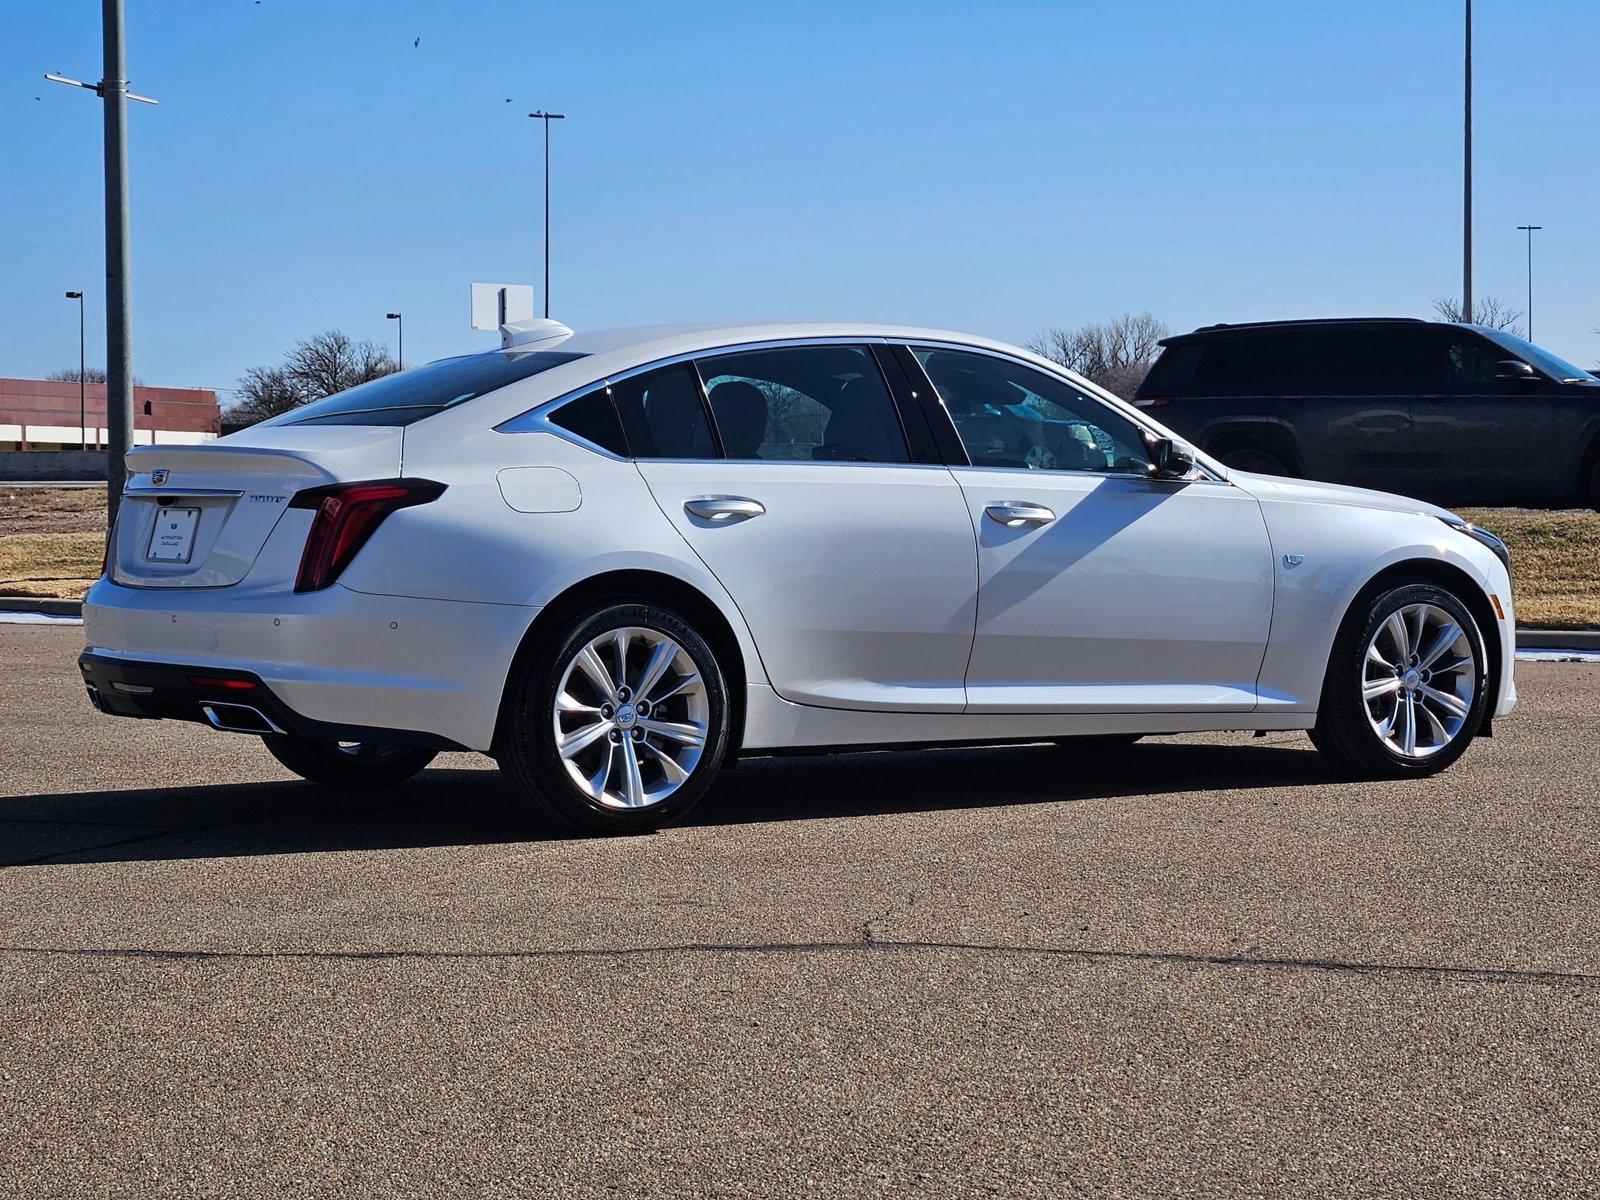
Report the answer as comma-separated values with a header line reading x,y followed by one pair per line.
x,y
1530,229
547,117
83,404
113,90
401,356
1466,185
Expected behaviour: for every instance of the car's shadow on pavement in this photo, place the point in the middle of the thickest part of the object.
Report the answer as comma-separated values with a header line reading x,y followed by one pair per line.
x,y
473,807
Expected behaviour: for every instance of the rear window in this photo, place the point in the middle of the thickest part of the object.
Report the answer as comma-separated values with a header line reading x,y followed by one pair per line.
x,y
408,396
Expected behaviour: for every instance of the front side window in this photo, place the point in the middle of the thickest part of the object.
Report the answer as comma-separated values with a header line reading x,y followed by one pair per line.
x,y
803,403
408,396
1010,415
662,414
1468,365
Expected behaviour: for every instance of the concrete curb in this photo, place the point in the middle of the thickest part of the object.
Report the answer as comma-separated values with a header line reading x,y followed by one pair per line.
x,y
29,604
1527,639
1558,639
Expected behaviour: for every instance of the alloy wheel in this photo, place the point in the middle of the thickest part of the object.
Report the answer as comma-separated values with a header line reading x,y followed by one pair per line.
x,y
1418,680
631,718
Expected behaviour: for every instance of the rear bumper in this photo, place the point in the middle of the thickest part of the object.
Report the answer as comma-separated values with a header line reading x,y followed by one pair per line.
x,y
236,701
332,659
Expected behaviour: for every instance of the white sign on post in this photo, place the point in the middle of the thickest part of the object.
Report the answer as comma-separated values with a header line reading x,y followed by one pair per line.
x,y
497,304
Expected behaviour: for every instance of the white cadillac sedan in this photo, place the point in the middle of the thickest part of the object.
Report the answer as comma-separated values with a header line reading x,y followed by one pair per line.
x,y
615,560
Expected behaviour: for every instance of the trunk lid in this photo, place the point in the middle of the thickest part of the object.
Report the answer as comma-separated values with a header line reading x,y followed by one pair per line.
x,y
217,503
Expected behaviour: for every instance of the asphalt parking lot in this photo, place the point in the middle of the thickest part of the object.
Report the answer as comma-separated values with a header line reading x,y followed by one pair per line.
x,y
1198,967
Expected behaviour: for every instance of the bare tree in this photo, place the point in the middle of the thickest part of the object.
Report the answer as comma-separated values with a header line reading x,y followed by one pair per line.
x,y
1489,311
70,375
319,366
1115,354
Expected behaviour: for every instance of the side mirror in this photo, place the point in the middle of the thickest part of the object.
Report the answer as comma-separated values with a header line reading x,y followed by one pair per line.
x,y
1514,370
1168,460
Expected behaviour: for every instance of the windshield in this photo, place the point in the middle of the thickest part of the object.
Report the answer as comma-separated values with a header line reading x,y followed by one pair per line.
x,y
408,396
1549,363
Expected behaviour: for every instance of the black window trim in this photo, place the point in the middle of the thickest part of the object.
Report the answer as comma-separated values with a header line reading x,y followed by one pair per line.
x,y
951,451
536,419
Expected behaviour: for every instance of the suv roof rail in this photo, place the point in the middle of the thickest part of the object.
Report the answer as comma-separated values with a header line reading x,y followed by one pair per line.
x,y
1292,323
1311,321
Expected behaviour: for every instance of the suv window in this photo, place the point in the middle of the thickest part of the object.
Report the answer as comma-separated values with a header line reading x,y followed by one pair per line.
x,y
804,403
408,396
1464,365
1010,415
663,415
1320,362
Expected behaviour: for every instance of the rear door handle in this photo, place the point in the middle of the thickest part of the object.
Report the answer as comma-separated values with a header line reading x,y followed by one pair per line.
x,y
724,510
1014,514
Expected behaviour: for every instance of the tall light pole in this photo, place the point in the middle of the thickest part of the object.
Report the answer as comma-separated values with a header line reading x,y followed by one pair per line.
x,y
83,404
401,357
113,90
1530,229
547,117
1466,182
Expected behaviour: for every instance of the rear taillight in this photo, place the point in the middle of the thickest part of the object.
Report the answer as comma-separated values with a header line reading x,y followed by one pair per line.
x,y
347,514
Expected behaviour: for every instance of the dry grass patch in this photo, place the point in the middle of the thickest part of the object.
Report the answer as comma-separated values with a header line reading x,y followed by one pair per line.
x,y
52,510
60,565
1555,563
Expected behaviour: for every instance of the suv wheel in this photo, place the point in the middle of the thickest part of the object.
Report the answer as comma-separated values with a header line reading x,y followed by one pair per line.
x,y
348,764
619,723
1406,686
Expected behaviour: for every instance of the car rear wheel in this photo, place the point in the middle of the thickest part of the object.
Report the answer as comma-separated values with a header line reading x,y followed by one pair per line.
x,y
619,723
1406,687
348,764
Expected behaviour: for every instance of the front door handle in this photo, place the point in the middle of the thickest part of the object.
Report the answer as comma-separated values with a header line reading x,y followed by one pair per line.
x,y
724,510
1014,514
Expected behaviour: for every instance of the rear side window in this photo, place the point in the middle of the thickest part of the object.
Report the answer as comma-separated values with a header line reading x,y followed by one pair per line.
x,y
408,396
663,415
594,419
804,403
1173,373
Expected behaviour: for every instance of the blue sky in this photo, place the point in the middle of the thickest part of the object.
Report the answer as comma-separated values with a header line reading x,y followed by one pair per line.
x,y
988,167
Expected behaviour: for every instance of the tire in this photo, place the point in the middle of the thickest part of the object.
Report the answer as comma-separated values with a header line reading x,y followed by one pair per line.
x,y
1256,460
606,725
1348,728
1593,490
363,764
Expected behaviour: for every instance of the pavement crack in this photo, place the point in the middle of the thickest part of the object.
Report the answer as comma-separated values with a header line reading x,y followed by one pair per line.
x,y
872,943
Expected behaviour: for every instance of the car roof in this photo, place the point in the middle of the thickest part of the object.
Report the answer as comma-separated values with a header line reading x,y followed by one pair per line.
x,y
1247,328
660,341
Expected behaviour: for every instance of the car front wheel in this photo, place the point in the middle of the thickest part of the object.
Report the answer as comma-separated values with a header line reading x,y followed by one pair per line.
x,y
1406,686
619,723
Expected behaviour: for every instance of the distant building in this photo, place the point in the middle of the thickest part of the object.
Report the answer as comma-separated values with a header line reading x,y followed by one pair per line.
x,y
42,414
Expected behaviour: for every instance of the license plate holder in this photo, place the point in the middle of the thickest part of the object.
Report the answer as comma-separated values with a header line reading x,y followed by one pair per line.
x,y
172,539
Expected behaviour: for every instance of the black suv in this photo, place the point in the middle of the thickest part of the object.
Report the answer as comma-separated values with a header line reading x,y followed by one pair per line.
x,y
1456,414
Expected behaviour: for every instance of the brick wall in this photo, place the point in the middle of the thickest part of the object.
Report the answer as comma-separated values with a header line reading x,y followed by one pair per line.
x,y
43,414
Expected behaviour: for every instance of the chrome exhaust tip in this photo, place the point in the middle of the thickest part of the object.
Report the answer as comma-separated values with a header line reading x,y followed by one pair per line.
x,y
239,718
